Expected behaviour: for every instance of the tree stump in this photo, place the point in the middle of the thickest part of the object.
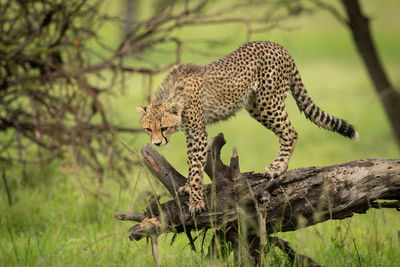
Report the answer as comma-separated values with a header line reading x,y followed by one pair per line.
x,y
264,206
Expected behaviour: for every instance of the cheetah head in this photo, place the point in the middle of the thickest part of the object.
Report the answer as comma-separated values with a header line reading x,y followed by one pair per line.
x,y
160,120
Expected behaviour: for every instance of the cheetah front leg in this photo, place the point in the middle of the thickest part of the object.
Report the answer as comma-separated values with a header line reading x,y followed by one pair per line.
x,y
185,189
197,154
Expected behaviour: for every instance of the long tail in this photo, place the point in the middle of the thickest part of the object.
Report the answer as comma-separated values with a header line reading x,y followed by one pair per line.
x,y
314,113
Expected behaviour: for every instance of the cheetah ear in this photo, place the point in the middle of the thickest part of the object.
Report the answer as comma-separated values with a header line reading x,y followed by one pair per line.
x,y
141,110
175,108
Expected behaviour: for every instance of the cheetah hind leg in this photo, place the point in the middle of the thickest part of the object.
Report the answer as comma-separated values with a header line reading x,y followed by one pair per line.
x,y
283,129
287,142
275,169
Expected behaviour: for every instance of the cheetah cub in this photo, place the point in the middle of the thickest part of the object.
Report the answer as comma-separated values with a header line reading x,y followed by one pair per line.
x,y
257,77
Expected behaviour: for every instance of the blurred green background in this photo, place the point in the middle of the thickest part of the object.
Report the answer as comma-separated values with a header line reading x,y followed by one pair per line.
x,y
68,220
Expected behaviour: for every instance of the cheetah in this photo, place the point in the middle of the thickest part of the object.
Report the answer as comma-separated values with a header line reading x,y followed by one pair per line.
x,y
257,77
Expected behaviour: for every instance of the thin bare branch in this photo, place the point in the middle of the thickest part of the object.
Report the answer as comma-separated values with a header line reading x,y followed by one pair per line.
x,y
129,216
331,9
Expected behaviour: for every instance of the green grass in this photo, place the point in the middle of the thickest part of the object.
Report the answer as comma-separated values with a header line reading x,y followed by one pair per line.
x,y
62,217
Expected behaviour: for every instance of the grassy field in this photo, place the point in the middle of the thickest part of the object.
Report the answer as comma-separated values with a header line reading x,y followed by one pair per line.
x,y
59,218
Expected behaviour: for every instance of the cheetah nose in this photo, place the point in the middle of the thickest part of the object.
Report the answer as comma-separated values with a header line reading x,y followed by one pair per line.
x,y
157,144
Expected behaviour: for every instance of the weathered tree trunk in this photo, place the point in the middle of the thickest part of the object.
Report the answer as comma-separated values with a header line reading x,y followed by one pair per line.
x,y
359,26
314,194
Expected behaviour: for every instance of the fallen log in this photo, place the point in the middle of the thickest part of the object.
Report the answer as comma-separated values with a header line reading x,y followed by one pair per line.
x,y
299,198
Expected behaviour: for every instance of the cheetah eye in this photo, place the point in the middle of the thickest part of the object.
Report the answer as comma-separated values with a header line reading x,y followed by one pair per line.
x,y
163,129
148,129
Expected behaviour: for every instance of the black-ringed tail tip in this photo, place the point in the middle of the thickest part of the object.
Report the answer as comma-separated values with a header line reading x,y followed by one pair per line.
x,y
349,132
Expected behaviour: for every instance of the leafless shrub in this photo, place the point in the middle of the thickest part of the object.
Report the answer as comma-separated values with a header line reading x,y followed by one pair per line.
x,y
51,54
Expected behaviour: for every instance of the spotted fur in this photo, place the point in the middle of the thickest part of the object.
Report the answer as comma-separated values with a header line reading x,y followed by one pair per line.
x,y
257,77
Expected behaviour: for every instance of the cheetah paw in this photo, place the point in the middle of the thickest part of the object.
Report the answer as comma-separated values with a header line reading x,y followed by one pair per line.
x,y
184,190
196,206
274,170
